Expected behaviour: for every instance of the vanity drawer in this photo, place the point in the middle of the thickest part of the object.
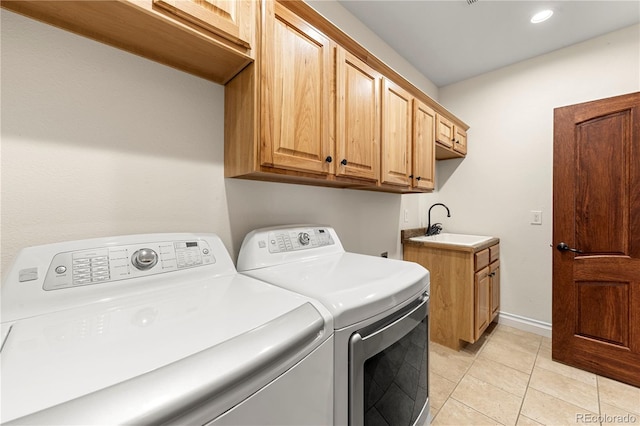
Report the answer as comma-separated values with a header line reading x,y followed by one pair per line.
x,y
481,259
494,253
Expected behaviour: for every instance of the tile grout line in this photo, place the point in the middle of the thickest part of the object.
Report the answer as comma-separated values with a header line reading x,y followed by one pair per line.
x,y
526,390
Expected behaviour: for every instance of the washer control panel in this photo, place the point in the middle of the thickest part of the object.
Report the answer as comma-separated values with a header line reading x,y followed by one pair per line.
x,y
107,264
298,239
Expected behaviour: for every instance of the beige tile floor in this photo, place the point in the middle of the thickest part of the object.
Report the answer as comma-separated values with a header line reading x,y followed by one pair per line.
x,y
508,378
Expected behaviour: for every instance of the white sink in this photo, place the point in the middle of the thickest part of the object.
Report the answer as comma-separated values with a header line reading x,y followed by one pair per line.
x,y
457,239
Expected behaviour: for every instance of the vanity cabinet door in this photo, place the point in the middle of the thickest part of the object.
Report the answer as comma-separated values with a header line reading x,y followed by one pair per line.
x,y
494,276
482,301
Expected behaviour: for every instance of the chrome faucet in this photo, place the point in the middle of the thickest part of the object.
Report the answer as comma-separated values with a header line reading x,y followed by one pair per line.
x,y
436,228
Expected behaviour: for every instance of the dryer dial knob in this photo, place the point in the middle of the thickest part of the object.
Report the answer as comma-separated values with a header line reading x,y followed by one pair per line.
x,y
303,237
144,259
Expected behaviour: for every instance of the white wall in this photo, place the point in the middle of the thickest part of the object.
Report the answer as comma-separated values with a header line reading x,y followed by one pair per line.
x,y
343,19
508,171
98,142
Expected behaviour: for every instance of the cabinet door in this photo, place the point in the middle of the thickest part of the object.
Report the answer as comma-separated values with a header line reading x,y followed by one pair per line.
x,y
358,118
230,19
396,134
482,301
424,126
494,275
460,140
444,131
296,90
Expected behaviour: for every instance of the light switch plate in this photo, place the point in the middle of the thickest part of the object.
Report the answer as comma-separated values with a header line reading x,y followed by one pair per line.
x,y
536,217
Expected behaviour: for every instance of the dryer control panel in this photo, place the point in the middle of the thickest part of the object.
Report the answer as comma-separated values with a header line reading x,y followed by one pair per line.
x,y
298,239
283,244
105,264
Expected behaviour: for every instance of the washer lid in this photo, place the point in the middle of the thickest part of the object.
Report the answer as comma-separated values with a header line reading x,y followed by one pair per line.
x,y
134,350
352,286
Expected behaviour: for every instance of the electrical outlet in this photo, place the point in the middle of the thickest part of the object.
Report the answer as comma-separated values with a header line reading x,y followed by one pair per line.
x,y
406,215
536,217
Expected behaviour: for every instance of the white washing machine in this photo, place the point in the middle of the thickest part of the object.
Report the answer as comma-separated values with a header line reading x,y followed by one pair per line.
x,y
380,309
151,329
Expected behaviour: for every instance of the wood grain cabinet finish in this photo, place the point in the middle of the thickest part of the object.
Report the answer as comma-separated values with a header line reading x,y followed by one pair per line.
x,y
465,288
451,139
397,119
460,140
214,43
444,131
280,110
296,93
358,118
423,155
482,302
230,19
317,108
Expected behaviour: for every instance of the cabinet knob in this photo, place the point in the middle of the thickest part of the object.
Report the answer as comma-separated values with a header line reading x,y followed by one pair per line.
x,y
410,176
344,162
418,178
328,159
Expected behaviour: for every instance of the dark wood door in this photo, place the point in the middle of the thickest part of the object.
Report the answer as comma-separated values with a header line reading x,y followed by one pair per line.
x,y
596,218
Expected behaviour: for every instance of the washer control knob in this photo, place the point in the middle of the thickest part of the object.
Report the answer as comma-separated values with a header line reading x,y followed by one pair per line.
x,y
303,237
144,259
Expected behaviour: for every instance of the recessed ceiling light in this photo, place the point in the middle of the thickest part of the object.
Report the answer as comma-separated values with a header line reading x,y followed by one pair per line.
x,y
541,16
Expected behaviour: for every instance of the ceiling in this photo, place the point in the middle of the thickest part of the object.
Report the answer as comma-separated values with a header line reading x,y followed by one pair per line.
x,y
449,41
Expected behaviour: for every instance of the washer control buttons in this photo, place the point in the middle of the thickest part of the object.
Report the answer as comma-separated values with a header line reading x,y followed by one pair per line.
x,y
61,269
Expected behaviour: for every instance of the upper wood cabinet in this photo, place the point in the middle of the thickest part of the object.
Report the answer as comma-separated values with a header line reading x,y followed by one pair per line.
x,y
396,135
460,140
316,108
230,19
424,127
296,89
179,40
357,118
451,139
444,131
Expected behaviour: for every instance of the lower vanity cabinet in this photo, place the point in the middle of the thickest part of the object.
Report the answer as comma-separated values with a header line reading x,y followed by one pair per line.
x,y
486,288
465,288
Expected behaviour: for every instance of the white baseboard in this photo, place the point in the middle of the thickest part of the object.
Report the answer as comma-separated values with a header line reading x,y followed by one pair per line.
x,y
525,324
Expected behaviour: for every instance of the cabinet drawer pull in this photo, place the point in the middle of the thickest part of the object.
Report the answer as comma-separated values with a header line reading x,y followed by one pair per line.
x,y
344,162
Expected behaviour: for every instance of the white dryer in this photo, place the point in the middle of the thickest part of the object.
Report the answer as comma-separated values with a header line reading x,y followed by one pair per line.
x,y
380,310
151,329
